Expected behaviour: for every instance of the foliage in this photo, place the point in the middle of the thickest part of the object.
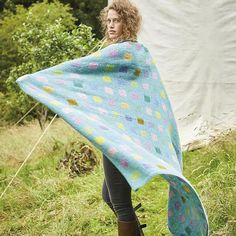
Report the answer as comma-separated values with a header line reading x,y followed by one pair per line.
x,y
79,158
40,14
85,11
46,38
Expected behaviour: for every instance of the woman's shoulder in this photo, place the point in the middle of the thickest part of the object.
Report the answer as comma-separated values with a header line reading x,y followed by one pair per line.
x,y
136,46
128,50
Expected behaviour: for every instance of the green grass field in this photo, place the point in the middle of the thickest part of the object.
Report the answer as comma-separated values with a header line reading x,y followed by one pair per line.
x,y
45,201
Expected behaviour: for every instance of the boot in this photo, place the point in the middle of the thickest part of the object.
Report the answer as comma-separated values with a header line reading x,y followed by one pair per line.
x,y
139,227
127,228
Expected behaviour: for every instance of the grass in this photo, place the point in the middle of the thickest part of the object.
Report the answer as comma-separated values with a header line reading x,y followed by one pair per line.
x,y
44,201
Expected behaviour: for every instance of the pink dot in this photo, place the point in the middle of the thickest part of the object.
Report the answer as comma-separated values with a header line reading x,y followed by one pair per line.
x,y
165,121
148,146
170,213
108,90
164,107
124,163
135,96
182,218
146,74
76,63
122,93
160,128
177,205
42,79
146,86
154,75
102,111
82,96
32,87
93,66
112,151
77,120
113,54
154,137
128,45
111,102
138,46
60,81
137,141
171,194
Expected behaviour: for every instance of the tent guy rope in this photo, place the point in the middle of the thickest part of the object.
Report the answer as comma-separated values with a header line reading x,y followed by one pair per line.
x,y
32,108
34,147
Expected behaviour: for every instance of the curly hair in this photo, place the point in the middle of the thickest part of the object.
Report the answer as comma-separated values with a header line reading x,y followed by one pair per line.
x,y
130,16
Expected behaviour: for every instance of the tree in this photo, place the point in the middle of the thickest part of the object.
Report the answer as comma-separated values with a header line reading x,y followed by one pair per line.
x,y
11,23
85,11
43,41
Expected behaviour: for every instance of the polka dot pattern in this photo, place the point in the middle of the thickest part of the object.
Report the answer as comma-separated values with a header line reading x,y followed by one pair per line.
x,y
116,99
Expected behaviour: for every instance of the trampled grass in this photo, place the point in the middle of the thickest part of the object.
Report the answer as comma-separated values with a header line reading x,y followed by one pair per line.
x,y
45,201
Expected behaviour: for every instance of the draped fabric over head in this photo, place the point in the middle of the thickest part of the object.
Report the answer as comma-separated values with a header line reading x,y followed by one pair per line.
x,y
116,99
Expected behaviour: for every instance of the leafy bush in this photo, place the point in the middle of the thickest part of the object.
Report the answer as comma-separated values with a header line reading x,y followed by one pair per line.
x,y
42,42
10,23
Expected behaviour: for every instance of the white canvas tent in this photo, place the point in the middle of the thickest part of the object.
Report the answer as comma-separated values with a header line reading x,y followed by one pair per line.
x,y
194,45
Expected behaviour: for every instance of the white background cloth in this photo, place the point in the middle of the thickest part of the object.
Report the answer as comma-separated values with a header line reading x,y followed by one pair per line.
x,y
194,45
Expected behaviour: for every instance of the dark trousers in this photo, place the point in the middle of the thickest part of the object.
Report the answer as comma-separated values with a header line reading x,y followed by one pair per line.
x,y
116,192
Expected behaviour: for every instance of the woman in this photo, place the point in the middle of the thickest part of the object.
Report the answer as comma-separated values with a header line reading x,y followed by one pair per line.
x,y
121,22
116,99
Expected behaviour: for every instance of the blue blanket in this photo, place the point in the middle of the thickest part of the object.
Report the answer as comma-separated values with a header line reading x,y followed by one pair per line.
x,y
116,99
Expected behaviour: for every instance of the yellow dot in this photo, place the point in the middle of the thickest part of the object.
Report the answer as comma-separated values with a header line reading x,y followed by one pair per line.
x,y
134,84
143,133
161,167
163,94
137,72
158,115
186,189
72,102
170,128
171,147
127,137
124,105
107,79
154,61
58,72
136,175
88,130
115,114
137,157
100,140
109,67
140,121
188,211
120,126
97,99
43,95
128,56
55,103
48,89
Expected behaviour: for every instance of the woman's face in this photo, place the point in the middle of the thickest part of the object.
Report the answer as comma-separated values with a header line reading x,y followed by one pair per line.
x,y
114,25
